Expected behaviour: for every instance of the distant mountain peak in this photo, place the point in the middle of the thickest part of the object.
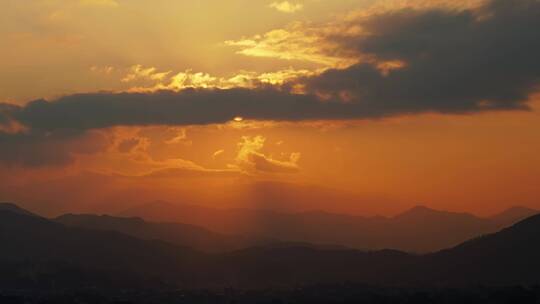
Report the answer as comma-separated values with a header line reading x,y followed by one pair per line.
x,y
418,210
421,213
422,208
518,209
513,215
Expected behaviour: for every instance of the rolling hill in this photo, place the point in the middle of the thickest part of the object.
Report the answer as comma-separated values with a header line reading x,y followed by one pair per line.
x,y
37,251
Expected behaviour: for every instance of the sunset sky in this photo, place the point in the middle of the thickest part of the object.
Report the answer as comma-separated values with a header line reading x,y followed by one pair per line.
x,y
349,106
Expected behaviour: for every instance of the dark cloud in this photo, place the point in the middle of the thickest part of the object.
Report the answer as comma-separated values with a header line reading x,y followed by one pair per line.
x,y
6,112
51,126
35,149
187,107
456,61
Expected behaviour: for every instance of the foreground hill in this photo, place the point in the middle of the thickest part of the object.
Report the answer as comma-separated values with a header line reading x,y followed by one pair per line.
x,y
510,256
419,229
38,251
4,206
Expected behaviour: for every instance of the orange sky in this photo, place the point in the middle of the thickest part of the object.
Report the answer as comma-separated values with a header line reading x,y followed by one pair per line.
x,y
474,160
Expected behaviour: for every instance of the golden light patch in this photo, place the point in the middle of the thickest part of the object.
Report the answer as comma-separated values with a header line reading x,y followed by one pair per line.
x,y
286,6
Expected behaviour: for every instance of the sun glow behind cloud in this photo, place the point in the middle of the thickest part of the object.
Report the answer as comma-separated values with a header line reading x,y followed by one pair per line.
x,y
329,83
149,79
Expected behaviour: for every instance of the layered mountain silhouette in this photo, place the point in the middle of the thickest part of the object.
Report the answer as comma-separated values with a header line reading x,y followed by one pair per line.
x,y
175,233
419,229
508,257
40,253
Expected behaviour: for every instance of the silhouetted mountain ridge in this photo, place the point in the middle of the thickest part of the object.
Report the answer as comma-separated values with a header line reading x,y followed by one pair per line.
x,y
421,212
5,206
38,243
419,229
175,233
37,252
509,256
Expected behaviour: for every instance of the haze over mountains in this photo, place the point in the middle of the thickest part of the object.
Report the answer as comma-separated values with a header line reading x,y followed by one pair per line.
x,y
53,198
419,229
174,233
38,252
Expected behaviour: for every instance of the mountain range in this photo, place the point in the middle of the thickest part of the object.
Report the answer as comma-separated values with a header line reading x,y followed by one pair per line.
x,y
41,253
174,233
418,230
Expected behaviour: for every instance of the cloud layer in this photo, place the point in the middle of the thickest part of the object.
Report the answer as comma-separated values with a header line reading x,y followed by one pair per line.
x,y
453,61
421,60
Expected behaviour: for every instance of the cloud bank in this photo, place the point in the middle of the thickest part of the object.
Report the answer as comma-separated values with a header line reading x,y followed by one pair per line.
x,y
437,60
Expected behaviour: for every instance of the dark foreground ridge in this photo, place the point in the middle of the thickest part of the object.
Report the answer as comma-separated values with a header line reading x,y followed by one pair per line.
x,y
319,294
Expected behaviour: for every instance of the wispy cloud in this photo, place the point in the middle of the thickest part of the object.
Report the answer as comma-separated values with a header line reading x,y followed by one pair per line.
x,y
218,153
251,159
296,42
138,72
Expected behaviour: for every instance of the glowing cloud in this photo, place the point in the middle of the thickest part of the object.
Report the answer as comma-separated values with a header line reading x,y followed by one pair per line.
x,y
198,80
138,72
296,42
286,6
251,159
217,153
